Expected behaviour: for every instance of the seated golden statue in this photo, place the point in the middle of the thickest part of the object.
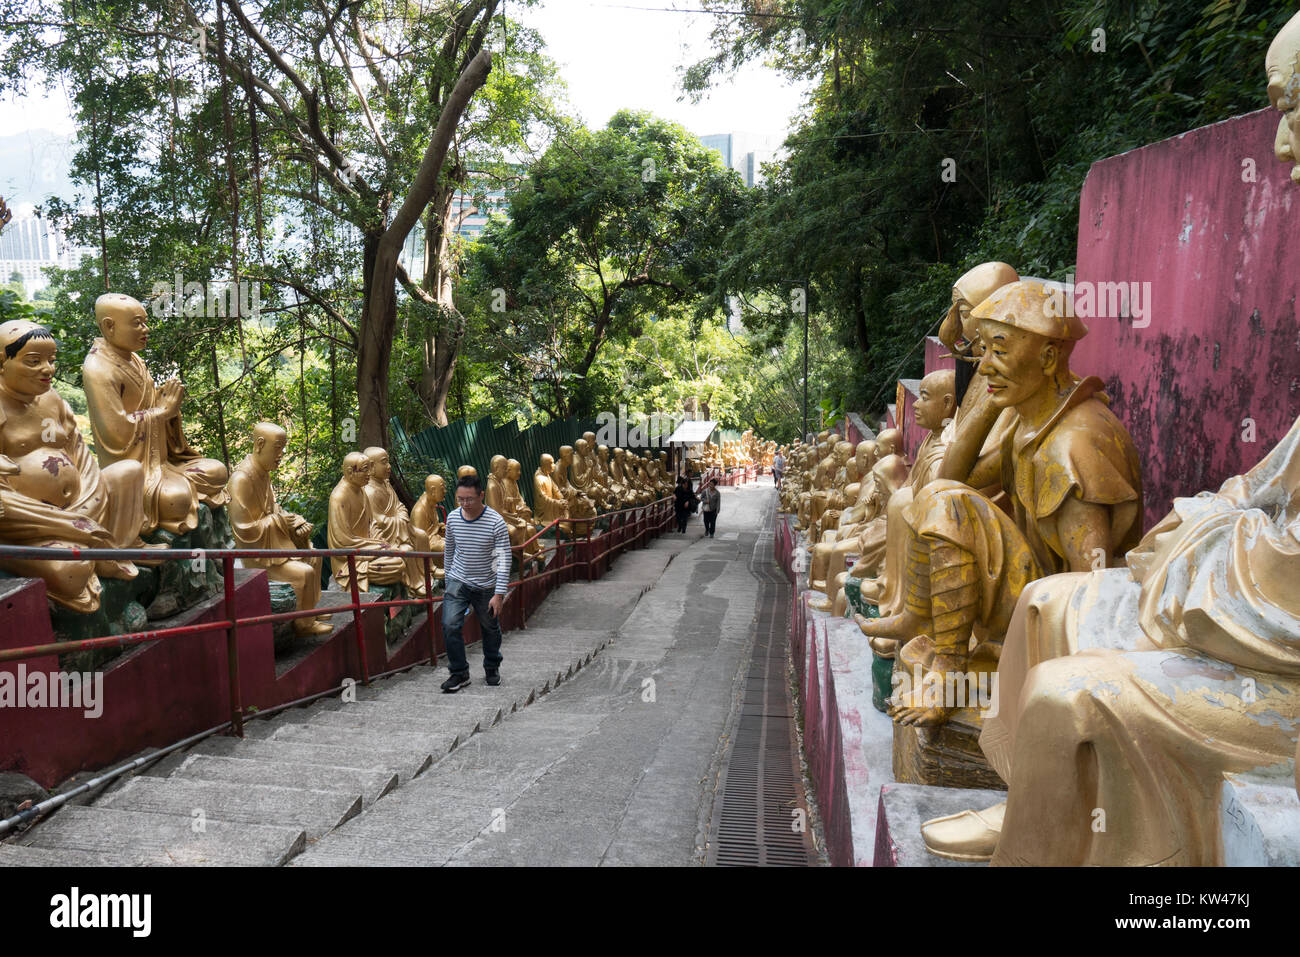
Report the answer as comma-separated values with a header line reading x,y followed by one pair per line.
x,y
427,524
1076,488
619,492
625,474
391,521
974,447
933,412
500,498
515,502
578,504
584,476
829,502
552,504
352,525
52,491
1135,692
259,523
132,419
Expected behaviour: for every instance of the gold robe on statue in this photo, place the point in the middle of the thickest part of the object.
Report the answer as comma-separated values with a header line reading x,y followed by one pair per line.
x,y
351,525
1134,690
127,424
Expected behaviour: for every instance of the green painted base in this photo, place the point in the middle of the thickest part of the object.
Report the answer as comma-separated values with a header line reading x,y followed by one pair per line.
x,y
283,598
882,685
396,625
157,592
856,603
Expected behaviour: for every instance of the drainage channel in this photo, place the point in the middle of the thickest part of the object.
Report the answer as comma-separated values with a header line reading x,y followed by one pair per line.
x,y
762,818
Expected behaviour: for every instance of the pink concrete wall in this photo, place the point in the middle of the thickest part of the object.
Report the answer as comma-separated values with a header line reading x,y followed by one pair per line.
x,y
1222,344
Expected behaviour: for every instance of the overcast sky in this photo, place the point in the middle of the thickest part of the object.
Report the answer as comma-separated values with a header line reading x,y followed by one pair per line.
x,y
610,56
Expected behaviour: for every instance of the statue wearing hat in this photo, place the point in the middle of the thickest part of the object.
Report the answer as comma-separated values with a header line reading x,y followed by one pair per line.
x,y
1073,476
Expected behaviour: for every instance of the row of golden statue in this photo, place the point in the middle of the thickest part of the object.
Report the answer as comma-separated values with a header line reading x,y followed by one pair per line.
x,y
737,453
146,476
1133,672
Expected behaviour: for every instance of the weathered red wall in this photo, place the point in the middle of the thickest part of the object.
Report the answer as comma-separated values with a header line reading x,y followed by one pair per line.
x,y
1223,343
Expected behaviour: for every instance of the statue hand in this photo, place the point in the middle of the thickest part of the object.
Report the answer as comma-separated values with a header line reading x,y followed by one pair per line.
x,y
172,394
8,466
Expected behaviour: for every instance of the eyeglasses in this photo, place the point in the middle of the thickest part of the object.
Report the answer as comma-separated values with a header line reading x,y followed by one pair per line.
x,y
466,501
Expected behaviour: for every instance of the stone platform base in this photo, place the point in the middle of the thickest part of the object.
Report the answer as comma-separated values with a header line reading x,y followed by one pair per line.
x,y
905,807
948,756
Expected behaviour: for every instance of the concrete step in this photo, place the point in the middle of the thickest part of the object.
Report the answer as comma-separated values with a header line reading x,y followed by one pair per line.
x,y
407,764
167,838
390,723
437,744
17,855
430,714
371,785
316,812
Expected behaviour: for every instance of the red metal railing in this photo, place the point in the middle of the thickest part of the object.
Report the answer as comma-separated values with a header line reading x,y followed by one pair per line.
x,y
642,520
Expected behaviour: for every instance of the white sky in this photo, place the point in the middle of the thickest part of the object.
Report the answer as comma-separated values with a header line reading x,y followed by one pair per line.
x,y
610,56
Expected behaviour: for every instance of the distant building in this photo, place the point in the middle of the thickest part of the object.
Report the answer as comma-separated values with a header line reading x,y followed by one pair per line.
x,y
30,245
468,219
746,152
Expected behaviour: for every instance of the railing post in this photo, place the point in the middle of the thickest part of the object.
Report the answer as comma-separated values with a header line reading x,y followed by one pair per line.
x,y
232,647
589,523
428,594
356,619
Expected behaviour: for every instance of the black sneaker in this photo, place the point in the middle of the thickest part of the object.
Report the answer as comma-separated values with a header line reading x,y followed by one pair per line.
x,y
455,683
492,677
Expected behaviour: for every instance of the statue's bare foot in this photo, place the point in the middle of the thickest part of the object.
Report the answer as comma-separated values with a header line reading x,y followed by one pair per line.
x,y
904,625
909,707
885,647
921,717
110,569
310,626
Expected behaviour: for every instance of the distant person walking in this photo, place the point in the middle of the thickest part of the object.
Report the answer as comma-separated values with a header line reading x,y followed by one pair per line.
x,y
477,560
778,468
684,502
710,503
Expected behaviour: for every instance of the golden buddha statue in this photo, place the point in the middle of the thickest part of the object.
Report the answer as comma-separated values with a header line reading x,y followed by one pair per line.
x,y
514,498
258,522
933,411
52,491
580,505
352,525
1074,478
499,497
584,476
1136,691
132,419
619,492
392,522
550,499
817,480
625,474
971,451
426,523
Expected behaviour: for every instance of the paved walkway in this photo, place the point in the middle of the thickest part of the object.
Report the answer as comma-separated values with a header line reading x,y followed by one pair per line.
x,y
619,765
606,743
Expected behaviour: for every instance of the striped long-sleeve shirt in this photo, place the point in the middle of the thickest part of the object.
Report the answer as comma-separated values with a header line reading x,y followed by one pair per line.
x,y
478,552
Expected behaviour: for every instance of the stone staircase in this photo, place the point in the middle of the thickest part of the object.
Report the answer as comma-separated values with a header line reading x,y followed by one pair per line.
x,y
263,799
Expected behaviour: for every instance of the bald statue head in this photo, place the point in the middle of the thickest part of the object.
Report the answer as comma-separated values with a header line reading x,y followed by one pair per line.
x,y
581,447
380,467
546,464
466,470
269,441
498,466
121,320
513,469
889,442
356,469
865,456
566,454
435,486
937,402
843,451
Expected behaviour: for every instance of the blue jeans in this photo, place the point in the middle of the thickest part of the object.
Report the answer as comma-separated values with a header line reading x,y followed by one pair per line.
x,y
457,599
